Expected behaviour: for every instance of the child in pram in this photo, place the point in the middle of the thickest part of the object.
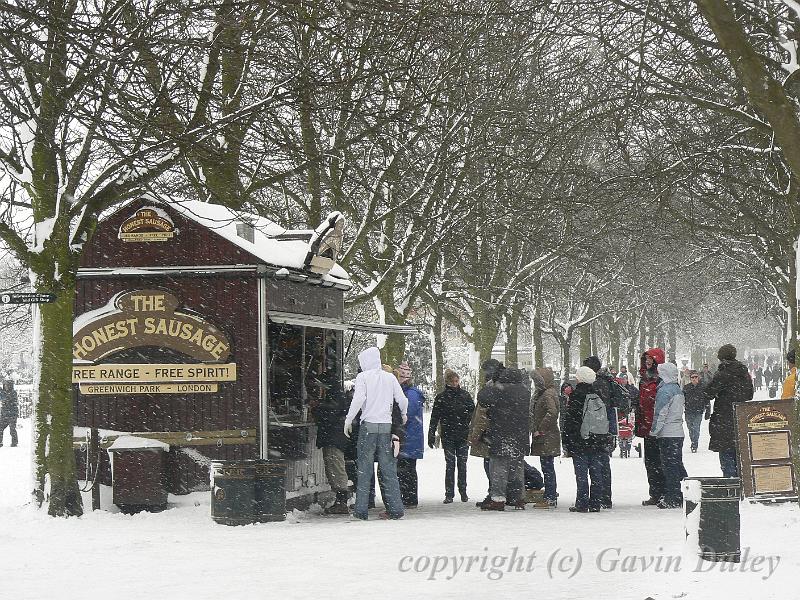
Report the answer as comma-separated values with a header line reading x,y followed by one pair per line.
x,y
625,425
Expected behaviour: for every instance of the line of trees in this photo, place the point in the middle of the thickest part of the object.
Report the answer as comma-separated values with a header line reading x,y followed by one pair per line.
x,y
504,164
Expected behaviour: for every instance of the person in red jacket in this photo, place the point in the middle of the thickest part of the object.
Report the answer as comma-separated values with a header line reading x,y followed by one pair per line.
x,y
648,384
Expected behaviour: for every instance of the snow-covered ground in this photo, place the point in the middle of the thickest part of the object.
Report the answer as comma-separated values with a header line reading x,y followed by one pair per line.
x,y
182,554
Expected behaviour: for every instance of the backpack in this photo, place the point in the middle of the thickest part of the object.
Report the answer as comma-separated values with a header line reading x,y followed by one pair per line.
x,y
595,416
620,397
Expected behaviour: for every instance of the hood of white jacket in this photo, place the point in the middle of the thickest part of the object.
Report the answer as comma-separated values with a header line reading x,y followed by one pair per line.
x,y
370,359
668,372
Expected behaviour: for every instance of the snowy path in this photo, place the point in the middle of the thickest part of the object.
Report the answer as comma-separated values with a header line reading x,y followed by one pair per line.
x,y
181,554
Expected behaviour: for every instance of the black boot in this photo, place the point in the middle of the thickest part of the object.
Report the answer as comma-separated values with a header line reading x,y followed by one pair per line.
x,y
340,506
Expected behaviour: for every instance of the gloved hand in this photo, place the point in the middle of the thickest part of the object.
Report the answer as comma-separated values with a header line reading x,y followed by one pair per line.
x,y
707,416
348,428
395,445
405,419
431,441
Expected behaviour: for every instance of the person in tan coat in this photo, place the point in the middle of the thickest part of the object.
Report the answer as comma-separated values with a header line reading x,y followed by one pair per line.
x,y
479,423
546,438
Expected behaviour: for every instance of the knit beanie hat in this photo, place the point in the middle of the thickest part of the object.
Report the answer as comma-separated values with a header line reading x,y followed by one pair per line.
x,y
727,352
403,373
593,363
585,375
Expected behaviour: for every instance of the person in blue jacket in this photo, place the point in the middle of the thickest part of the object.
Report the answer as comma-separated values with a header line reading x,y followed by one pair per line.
x,y
413,445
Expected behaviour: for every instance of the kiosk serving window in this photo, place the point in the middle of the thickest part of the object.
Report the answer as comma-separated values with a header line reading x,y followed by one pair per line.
x,y
299,354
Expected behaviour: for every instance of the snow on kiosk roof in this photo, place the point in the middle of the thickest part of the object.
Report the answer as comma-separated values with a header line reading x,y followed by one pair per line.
x,y
267,242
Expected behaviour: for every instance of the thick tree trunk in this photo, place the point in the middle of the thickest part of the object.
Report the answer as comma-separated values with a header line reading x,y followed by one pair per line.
x,y
54,453
486,326
512,339
585,344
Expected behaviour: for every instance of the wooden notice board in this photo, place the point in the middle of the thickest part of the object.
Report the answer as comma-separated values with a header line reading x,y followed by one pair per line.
x,y
766,448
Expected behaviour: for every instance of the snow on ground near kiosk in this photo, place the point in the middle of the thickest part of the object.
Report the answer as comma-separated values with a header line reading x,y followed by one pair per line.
x,y
182,554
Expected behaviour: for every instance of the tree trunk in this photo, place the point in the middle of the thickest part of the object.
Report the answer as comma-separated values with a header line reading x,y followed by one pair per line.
x,y
308,132
614,343
661,339
585,344
672,343
791,300
486,326
566,351
537,351
438,351
644,325
512,338
633,363
54,453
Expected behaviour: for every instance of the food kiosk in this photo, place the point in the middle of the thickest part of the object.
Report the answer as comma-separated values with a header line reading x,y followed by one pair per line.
x,y
204,329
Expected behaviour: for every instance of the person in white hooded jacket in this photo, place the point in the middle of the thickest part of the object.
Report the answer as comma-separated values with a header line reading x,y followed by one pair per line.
x,y
374,395
668,429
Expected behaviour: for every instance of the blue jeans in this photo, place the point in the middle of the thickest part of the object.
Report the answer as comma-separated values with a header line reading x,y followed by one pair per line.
x,y
671,454
728,464
549,471
455,454
588,465
375,441
693,422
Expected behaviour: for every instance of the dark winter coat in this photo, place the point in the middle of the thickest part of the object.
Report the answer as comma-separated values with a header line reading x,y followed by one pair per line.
x,y
452,408
695,398
330,415
731,384
545,417
759,377
9,409
571,432
413,445
648,386
507,411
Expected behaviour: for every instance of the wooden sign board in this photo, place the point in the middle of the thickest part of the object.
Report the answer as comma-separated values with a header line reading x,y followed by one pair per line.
x,y
765,445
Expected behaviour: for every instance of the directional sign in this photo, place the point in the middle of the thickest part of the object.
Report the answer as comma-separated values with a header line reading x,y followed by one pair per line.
x,y
26,298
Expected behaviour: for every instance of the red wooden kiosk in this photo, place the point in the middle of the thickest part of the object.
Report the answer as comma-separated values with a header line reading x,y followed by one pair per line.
x,y
201,328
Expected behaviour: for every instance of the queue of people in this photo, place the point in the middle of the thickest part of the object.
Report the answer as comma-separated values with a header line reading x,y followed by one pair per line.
x,y
519,414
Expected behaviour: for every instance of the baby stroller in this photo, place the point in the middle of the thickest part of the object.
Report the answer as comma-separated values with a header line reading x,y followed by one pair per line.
x,y
625,425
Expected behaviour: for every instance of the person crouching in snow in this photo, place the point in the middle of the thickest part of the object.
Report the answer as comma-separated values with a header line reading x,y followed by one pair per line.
x,y
586,441
667,428
507,405
374,394
413,446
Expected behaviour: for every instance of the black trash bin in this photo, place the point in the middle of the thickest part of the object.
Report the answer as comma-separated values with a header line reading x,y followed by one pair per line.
x,y
718,524
138,467
248,491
